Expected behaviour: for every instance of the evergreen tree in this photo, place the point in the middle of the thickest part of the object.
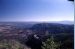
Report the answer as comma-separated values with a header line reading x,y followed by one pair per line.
x,y
50,44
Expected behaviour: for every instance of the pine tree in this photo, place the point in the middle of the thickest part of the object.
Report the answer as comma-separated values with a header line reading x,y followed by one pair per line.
x,y
50,44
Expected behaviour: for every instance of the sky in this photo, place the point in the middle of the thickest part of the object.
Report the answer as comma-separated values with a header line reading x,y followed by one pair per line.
x,y
36,10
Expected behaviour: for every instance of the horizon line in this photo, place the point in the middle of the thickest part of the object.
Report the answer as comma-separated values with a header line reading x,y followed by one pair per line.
x,y
39,21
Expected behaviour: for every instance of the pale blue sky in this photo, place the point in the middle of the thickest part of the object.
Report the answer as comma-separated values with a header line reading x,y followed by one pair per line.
x,y
36,10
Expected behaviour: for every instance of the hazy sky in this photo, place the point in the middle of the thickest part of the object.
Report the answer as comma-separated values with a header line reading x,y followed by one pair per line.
x,y
36,10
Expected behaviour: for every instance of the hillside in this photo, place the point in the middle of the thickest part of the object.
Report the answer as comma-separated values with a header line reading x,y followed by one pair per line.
x,y
33,35
12,44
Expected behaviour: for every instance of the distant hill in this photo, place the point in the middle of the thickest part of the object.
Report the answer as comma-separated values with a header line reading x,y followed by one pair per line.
x,y
19,24
30,24
66,22
63,22
53,28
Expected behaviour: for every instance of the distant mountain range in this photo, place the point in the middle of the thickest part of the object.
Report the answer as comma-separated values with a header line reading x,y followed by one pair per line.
x,y
30,24
64,22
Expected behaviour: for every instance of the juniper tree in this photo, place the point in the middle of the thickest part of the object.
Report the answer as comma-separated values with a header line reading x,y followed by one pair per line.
x,y
50,44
